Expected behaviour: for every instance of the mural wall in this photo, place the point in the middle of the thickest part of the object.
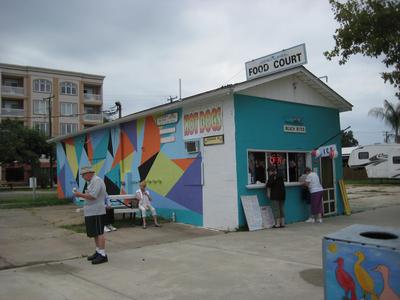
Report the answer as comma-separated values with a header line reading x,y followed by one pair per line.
x,y
138,150
354,271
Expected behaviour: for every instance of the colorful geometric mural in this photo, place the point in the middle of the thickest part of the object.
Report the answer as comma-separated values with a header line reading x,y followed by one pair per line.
x,y
130,152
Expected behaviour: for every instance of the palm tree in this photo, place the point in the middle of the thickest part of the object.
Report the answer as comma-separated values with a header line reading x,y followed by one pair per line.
x,y
390,113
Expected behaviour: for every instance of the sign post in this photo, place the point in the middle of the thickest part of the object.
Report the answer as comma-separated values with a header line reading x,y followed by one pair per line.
x,y
32,185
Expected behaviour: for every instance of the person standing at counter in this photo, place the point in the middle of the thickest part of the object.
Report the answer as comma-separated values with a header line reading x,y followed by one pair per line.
x,y
277,195
316,193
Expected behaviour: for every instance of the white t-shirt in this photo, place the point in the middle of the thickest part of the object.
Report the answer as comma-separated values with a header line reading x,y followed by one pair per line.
x,y
143,198
314,185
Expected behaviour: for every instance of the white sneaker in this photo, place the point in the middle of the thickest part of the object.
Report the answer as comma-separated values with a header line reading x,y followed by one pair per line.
x,y
319,221
310,220
106,229
112,227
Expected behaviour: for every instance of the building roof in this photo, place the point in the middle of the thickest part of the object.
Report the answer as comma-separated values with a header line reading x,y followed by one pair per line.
x,y
12,67
300,72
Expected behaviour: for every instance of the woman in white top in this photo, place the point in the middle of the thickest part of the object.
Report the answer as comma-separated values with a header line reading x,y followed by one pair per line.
x,y
316,193
145,203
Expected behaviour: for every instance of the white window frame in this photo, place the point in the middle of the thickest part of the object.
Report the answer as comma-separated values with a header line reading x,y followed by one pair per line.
x,y
67,128
68,109
68,88
40,107
254,185
42,85
42,127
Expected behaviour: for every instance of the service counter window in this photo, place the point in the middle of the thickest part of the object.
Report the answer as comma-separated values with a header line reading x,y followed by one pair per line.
x,y
290,165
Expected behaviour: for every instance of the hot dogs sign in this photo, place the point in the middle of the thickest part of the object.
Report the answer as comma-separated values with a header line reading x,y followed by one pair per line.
x,y
202,121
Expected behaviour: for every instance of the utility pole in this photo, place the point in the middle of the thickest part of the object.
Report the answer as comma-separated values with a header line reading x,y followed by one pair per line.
x,y
386,134
119,108
50,135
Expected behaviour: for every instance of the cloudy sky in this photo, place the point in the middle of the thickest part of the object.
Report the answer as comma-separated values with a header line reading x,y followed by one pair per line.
x,y
144,47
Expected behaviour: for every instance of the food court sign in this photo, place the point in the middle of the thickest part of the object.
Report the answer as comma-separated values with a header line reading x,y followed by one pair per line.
x,y
204,121
279,61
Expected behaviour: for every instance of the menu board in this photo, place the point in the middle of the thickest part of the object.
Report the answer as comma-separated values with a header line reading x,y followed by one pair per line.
x,y
252,212
267,216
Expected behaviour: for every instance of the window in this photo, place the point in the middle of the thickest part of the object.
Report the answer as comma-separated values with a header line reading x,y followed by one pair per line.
x,y
42,86
40,107
68,109
43,127
66,128
290,165
192,146
11,82
396,160
363,155
68,88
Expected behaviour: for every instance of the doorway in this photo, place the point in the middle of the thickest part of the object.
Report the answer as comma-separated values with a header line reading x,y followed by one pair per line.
x,y
328,184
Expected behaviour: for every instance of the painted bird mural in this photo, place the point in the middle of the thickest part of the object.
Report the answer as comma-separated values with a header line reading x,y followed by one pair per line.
x,y
364,279
387,293
345,280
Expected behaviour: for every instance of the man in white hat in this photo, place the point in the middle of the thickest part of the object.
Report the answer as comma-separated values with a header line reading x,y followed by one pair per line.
x,y
94,212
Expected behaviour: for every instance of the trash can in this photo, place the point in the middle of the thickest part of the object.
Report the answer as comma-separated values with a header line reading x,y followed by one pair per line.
x,y
362,262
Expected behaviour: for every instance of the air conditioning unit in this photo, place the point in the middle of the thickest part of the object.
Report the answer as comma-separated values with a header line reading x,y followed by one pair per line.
x,y
192,146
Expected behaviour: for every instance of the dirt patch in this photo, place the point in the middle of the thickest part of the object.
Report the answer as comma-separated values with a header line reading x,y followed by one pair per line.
x,y
368,197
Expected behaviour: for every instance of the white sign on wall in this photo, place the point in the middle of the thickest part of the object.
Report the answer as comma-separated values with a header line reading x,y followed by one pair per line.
x,y
279,61
325,150
167,119
202,121
294,128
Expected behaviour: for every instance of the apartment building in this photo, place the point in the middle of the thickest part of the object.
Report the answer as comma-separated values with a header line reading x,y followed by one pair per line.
x,y
76,98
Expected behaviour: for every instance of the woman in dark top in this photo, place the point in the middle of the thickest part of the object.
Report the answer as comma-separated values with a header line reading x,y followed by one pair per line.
x,y
277,196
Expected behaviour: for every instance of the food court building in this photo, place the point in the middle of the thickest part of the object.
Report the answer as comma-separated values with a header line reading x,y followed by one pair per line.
x,y
199,155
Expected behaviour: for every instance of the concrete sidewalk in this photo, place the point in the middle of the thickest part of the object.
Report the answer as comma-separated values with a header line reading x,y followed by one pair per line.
x,y
268,264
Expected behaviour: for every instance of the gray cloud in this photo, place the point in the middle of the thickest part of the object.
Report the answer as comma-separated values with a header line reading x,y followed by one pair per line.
x,y
143,47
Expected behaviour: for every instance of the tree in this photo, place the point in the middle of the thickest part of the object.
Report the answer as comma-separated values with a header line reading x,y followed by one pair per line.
x,y
22,144
370,28
348,140
390,114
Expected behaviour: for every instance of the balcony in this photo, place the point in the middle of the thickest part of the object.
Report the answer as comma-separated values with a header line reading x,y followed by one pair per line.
x,y
12,90
12,112
92,98
93,118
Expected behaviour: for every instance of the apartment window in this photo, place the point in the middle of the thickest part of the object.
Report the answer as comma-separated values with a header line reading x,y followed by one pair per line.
x,y
396,160
40,107
67,128
69,109
11,82
42,86
42,127
290,165
68,88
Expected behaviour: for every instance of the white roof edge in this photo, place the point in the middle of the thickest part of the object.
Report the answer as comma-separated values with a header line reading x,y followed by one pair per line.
x,y
137,115
228,89
50,71
346,106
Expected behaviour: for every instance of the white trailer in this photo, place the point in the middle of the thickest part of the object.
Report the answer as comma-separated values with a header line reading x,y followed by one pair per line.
x,y
379,160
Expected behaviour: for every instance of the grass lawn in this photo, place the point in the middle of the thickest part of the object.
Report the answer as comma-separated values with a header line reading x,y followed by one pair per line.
x,y
25,201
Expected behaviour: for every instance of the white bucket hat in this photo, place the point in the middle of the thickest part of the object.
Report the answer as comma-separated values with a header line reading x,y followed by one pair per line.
x,y
87,169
